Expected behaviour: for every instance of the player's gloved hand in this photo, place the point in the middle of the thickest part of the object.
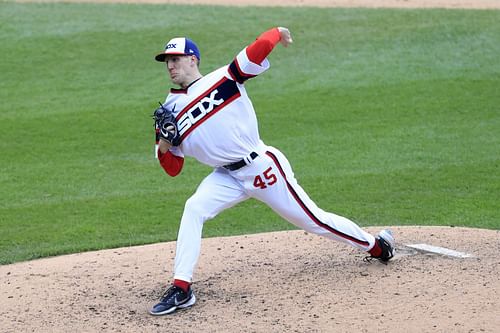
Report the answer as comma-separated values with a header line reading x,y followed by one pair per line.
x,y
166,125
286,36
169,133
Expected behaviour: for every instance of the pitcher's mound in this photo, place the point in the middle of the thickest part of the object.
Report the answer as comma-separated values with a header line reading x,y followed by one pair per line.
x,y
274,282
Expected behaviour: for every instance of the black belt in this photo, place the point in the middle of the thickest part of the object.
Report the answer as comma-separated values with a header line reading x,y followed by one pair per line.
x,y
240,164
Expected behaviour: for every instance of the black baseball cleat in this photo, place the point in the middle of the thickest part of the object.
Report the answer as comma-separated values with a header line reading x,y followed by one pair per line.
x,y
172,299
387,243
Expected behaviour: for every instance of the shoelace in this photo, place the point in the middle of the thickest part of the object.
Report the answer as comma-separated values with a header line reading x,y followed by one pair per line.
x,y
169,294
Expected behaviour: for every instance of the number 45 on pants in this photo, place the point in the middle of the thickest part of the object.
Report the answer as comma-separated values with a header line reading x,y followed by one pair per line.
x,y
268,178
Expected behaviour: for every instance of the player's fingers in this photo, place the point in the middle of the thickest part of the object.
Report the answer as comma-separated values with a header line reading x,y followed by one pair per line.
x,y
287,41
286,37
168,127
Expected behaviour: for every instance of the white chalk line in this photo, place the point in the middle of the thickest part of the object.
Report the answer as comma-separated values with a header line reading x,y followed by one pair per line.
x,y
440,250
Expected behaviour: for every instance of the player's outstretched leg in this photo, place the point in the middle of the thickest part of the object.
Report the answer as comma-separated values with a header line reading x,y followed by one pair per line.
x,y
275,184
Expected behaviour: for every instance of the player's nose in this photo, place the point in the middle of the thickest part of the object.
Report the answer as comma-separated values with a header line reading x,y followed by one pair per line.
x,y
169,65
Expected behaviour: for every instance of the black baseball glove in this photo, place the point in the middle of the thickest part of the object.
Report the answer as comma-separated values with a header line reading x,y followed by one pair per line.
x,y
166,126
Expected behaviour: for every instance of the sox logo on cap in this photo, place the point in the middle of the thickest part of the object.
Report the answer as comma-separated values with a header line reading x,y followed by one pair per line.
x,y
179,46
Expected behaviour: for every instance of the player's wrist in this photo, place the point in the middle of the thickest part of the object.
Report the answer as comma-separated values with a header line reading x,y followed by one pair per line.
x,y
164,146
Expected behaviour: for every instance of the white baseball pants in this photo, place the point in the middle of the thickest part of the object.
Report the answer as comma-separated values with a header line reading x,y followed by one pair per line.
x,y
270,179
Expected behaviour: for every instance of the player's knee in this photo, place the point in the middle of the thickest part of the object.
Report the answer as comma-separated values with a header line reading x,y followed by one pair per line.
x,y
195,208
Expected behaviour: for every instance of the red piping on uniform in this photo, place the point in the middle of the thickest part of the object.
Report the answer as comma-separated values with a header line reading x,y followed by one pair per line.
x,y
242,74
307,211
219,107
197,99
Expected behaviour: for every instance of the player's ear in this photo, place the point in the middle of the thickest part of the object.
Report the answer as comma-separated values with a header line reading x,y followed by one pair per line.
x,y
194,60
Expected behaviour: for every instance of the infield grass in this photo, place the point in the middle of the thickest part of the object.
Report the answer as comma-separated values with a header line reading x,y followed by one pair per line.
x,y
389,117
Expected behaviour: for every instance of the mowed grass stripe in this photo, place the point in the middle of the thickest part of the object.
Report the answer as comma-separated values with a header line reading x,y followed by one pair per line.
x,y
388,117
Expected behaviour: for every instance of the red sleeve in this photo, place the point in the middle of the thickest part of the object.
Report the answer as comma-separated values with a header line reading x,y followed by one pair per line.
x,y
263,45
170,163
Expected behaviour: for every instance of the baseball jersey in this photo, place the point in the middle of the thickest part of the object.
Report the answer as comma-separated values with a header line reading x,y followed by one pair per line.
x,y
215,118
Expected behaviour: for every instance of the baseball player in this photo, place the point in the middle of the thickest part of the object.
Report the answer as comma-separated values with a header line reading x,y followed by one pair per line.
x,y
213,120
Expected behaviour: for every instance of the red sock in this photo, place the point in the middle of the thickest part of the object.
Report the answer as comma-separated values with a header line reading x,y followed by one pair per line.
x,y
184,285
376,250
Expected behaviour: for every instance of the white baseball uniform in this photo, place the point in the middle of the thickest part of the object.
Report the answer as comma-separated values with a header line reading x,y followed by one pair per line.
x,y
218,127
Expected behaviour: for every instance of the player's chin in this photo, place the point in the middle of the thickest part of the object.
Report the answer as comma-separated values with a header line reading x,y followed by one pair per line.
x,y
175,79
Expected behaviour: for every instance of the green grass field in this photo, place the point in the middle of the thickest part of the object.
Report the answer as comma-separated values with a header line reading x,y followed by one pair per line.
x,y
389,117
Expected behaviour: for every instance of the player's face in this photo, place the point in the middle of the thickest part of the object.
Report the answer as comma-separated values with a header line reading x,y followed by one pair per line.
x,y
180,69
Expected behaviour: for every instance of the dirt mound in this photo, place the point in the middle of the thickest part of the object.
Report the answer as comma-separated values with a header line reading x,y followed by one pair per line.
x,y
274,282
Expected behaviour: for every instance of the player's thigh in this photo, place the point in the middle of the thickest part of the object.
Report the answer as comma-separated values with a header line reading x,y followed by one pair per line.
x,y
218,191
272,181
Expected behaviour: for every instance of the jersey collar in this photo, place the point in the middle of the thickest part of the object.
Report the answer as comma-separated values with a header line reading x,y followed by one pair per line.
x,y
184,91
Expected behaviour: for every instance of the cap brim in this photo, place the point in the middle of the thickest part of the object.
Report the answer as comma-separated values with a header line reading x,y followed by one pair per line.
x,y
161,57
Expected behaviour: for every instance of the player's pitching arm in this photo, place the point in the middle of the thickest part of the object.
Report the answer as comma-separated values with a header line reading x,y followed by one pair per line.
x,y
252,60
265,43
